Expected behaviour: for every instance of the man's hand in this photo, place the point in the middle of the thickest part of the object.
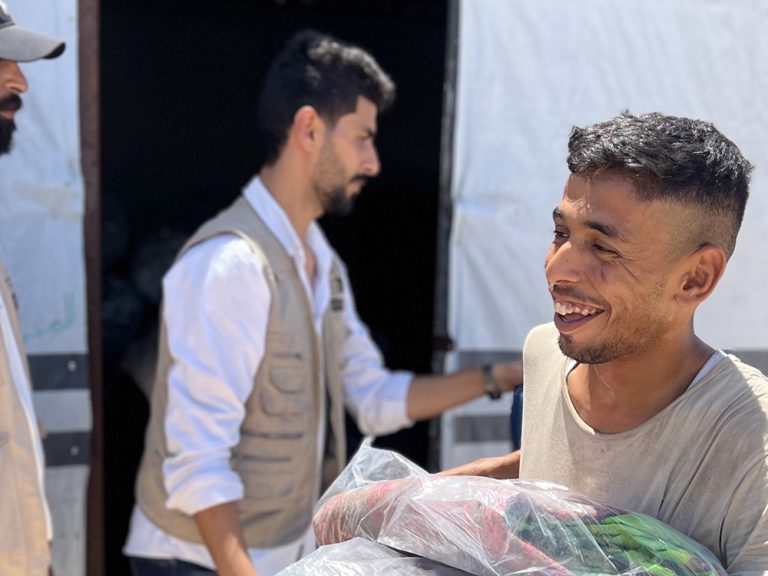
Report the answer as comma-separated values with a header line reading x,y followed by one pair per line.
x,y
507,375
505,467
221,531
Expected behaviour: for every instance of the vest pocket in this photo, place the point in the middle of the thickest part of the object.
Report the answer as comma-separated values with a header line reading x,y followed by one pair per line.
x,y
268,462
261,486
286,380
285,396
285,392
290,408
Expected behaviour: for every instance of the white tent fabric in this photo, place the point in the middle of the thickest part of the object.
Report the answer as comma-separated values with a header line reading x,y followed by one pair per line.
x,y
41,191
41,218
528,71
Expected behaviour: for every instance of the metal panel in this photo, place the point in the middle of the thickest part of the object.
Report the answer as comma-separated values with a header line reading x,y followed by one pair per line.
x,y
59,371
67,449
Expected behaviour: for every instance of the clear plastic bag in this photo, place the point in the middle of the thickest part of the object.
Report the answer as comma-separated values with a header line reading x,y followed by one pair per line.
x,y
498,527
359,557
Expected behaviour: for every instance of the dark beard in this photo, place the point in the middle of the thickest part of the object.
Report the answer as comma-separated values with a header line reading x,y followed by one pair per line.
x,y
7,128
336,202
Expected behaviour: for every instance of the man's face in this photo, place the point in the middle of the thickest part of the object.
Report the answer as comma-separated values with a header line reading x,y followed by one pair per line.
x,y
347,159
12,83
609,270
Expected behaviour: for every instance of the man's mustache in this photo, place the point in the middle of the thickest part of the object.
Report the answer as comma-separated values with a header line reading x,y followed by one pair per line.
x,y
10,103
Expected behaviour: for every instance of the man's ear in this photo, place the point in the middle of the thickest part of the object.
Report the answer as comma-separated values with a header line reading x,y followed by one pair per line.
x,y
701,272
307,128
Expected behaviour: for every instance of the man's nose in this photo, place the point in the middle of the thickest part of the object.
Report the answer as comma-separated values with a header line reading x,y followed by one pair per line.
x,y
563,264
371,164
15,81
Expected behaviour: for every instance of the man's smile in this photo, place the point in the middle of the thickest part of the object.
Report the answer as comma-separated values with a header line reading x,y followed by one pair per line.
x,y
572,315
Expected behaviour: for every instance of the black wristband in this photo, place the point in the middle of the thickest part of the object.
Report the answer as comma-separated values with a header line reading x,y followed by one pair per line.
x,y
489,384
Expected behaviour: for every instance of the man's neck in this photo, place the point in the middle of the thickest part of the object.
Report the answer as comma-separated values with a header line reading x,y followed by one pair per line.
x,y
620,395
293,195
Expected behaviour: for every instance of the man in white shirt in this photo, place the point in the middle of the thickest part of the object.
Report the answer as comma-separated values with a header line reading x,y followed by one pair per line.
x,y
25,522
261,347
623,401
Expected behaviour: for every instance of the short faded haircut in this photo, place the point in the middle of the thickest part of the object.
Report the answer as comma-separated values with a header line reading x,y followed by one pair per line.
x,y
679,160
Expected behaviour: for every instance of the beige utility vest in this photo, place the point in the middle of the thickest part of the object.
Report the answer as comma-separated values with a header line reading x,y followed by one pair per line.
x,y
277,456
24,548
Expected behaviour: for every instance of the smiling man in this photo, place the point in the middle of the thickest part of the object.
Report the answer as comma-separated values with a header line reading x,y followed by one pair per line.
x,y
261,347
622,400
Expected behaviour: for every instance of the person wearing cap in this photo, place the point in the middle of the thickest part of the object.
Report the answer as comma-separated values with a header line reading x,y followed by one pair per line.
x,y
25,522
261,348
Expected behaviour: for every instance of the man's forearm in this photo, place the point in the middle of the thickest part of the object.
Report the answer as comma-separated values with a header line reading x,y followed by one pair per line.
x,y
429,396
223,535
504,467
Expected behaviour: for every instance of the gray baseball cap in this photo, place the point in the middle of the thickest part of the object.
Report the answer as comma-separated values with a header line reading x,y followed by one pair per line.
x,y
22,44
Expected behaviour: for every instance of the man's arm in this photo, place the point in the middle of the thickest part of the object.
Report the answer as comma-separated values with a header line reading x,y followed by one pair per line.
x,y
505,467
221,531
429,396
383,401
216,304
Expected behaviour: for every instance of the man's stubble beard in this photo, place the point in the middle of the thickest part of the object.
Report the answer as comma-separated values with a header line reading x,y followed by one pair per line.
x,y
330,185
335,201
641,330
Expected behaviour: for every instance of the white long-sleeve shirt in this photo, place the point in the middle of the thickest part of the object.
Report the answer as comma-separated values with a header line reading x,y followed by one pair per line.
x,y
216,310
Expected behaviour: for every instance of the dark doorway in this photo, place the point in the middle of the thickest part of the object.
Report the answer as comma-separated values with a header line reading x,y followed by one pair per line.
x,y
179,141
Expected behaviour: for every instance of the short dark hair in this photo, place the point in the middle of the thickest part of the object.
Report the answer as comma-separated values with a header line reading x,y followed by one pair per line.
x,y
681,160
318,70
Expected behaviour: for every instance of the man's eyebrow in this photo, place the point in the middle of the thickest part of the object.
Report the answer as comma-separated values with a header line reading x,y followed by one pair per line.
x,y
604,229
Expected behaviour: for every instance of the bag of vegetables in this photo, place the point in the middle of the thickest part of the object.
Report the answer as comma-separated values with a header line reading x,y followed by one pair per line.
x,y
498,527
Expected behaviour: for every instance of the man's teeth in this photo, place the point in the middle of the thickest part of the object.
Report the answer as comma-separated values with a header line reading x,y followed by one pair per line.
x,y
566,308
